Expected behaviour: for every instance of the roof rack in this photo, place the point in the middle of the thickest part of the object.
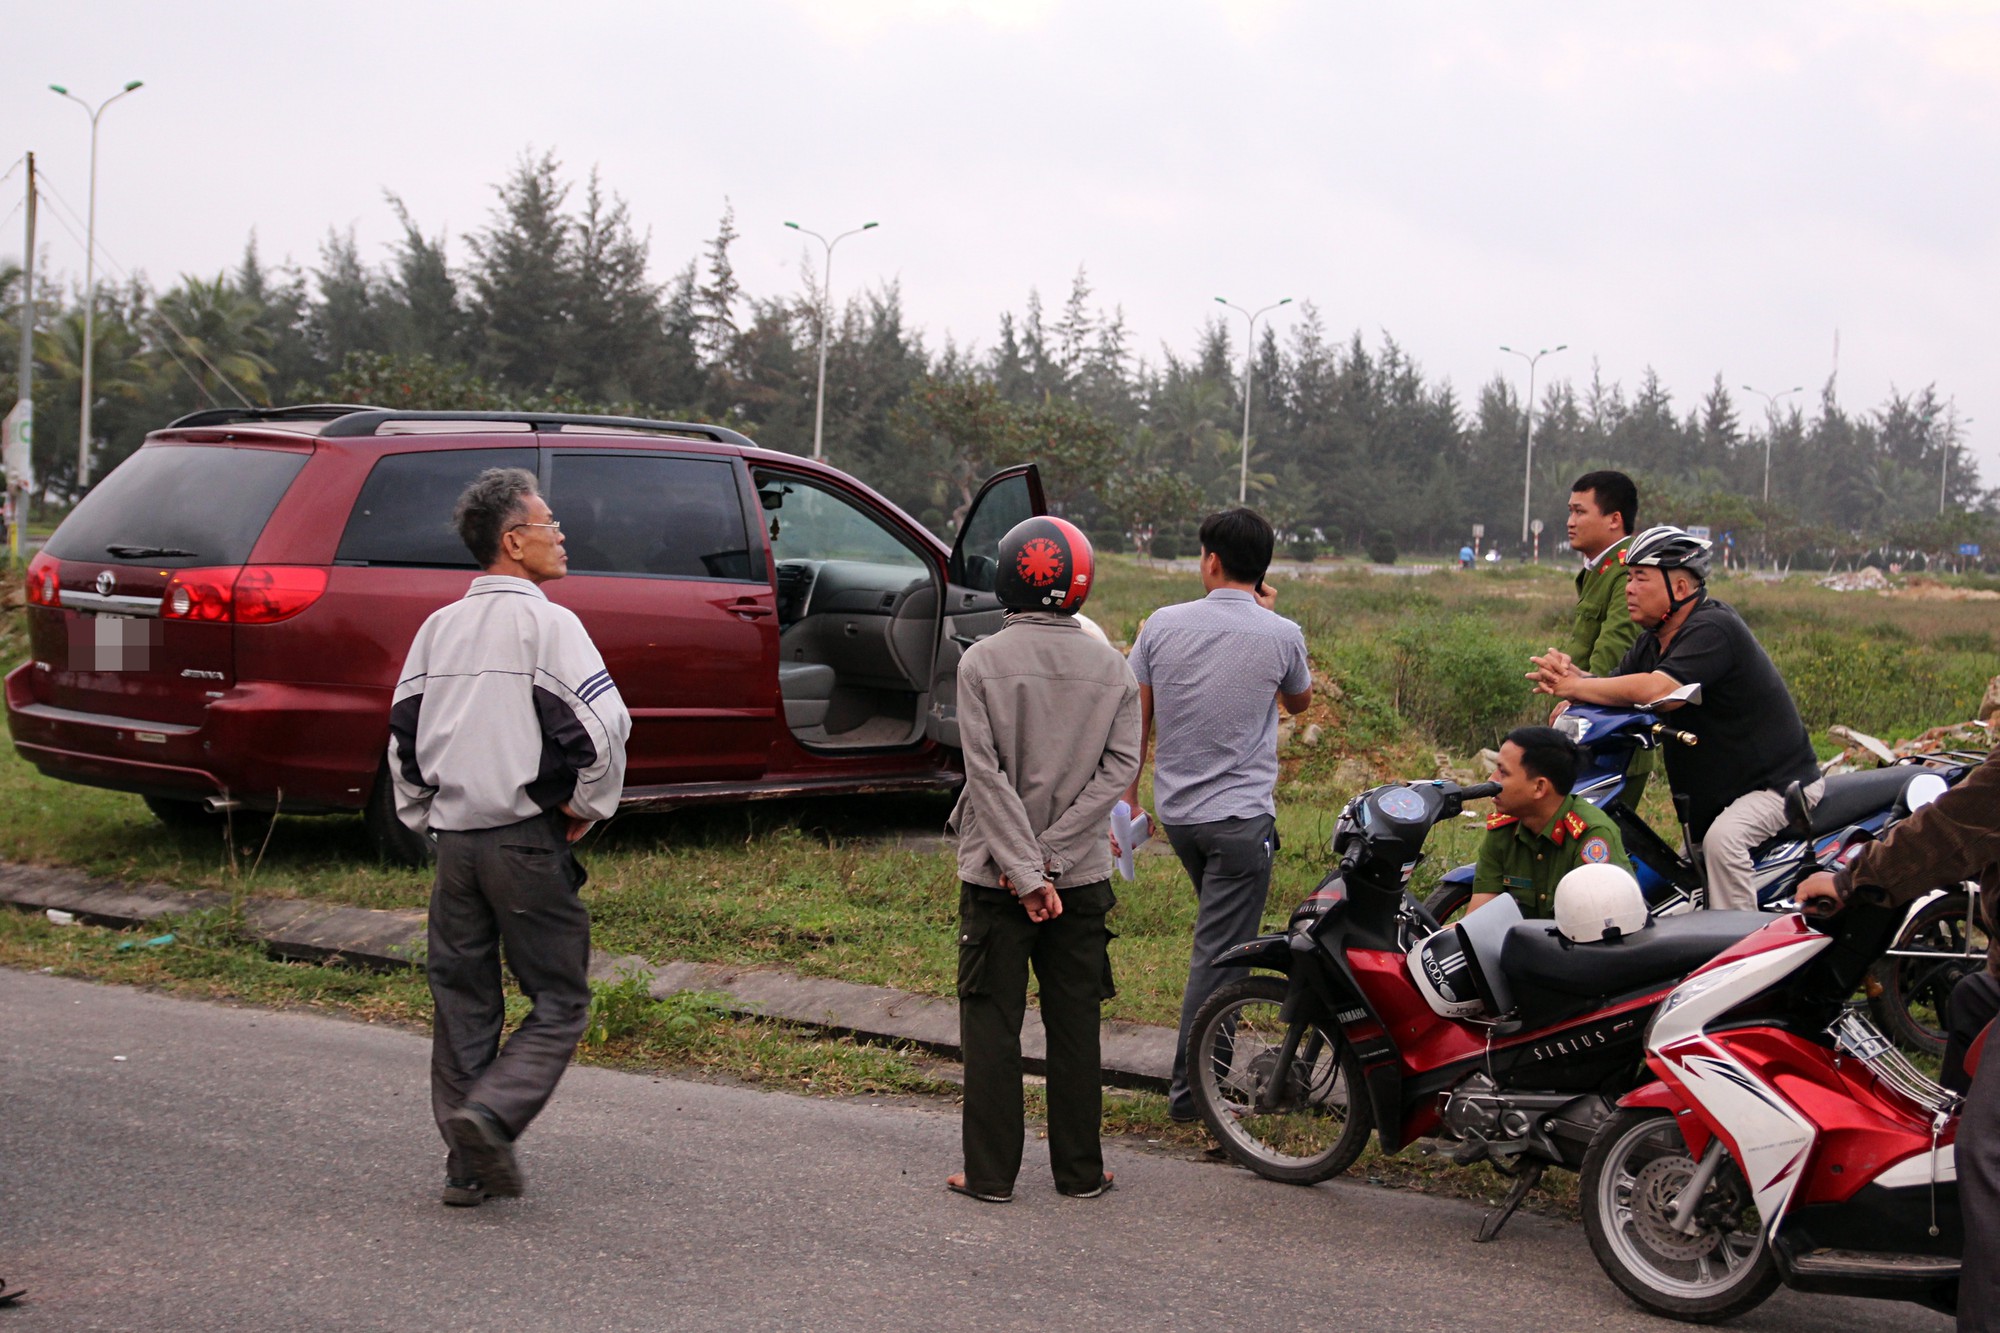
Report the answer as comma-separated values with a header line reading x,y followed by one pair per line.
x,y
368,421
230,416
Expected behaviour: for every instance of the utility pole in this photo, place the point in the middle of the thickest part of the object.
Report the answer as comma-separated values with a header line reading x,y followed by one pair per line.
x,y
18,448
1771,425
1249,365
90,277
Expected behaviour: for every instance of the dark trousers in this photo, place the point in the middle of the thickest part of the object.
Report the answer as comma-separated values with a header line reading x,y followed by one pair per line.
x,y
1229,861
1978,1156
996,945
514,887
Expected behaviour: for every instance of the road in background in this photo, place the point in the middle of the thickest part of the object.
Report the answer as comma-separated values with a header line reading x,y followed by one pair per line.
x,y
240,1169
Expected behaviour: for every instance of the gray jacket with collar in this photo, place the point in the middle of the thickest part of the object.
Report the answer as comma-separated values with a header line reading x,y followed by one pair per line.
x,y
1048,717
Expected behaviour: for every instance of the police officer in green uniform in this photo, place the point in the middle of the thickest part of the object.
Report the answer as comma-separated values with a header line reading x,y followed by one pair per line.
x,y
1603,514
1540,832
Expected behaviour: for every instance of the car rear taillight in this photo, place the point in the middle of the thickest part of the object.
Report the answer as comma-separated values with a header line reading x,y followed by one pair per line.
x,y
199,594
249,595
44,584
269,593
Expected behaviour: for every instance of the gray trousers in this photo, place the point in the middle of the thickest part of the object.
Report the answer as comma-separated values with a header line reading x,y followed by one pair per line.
x,y
1229,861
1746,822
513,887
1978,1156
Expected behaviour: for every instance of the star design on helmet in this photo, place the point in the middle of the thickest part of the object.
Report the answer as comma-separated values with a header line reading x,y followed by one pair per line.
x,y
1040,562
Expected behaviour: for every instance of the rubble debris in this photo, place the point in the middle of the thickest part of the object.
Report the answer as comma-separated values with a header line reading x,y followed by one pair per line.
x,y
1866,579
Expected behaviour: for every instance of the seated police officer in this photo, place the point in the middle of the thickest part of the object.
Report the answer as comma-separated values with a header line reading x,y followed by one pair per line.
x,y
1750,744
1540,832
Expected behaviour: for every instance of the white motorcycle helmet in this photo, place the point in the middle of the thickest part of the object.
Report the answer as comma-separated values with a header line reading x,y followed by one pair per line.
x,y
1597,902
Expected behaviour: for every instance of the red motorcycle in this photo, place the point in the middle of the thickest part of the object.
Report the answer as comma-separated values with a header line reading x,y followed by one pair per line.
x,y
1496,1032
1786,1141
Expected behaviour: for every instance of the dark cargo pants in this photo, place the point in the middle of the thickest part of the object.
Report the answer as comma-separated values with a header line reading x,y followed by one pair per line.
x,y
1229,861
996,945
513,887
1979,1196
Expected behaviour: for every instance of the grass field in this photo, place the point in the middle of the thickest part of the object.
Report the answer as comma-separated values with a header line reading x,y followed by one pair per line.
x,y
1428,668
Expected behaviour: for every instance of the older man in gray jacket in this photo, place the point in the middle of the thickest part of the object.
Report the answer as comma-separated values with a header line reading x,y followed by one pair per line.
x,y
1049,722
506,740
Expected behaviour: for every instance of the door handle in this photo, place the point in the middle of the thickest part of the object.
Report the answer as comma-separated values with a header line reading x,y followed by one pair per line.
x,y
751,610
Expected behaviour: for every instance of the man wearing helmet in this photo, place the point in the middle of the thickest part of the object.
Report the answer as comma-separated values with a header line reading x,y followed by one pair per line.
x,y
1750,744
1049,722
1539,832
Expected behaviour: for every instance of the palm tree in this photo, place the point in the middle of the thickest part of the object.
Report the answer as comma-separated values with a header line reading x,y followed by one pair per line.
x,y
216,328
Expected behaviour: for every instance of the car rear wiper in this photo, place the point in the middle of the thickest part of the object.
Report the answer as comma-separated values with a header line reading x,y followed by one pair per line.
x,y
132,552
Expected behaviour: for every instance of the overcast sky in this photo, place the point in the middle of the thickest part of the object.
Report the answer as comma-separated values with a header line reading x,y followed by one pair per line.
x,y
1698,187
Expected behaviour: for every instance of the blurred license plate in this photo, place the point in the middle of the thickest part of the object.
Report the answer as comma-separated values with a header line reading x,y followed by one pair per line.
x,y
113,643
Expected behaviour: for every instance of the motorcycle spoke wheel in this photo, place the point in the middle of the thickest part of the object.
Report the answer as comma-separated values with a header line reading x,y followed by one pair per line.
x,y
1910,1005
1632,1181
1318,1120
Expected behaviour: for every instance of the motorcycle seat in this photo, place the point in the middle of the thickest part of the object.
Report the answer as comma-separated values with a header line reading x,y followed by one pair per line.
x,y
1853,796
1534,958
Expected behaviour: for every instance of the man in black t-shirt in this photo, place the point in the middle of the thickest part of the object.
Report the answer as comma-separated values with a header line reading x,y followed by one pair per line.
x,y
1751,744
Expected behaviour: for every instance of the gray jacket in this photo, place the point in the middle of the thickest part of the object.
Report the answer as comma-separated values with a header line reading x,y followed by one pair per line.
x,y
1049,720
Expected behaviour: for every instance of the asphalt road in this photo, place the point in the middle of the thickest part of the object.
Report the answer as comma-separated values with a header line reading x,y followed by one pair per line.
x,y
247,1170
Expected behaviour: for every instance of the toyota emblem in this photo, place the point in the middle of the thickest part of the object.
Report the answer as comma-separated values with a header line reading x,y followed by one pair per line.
x,y
106,581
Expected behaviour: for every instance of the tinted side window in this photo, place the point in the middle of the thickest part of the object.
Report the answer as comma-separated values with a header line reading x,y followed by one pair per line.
x,y
993,516
403,516
179,506
641,514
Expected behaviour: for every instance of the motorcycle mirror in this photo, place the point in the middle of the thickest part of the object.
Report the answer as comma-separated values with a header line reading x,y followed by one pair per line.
x,y
1686,694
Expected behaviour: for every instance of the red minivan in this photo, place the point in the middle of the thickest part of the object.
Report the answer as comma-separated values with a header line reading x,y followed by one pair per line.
x,y
220,622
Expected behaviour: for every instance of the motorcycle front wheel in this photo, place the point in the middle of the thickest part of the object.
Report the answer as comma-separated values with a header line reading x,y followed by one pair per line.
x,y
1631,1184
1317,1122
1908,994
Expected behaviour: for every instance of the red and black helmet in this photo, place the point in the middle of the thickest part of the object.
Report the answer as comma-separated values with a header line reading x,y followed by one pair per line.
x,y
1045,565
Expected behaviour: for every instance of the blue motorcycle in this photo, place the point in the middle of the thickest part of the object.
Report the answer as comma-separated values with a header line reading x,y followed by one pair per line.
x,y
1941,939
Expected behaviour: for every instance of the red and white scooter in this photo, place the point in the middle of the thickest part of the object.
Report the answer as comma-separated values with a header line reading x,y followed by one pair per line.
x,y
1786,1141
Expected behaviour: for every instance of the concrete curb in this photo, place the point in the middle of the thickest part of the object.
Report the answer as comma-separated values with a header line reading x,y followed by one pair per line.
x,y
1133,1055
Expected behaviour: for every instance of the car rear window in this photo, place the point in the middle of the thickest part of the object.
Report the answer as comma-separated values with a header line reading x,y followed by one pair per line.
x,y
403,515
650,514
179,506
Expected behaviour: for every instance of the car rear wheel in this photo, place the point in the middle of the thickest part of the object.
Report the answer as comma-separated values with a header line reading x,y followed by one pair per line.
x,y
393,840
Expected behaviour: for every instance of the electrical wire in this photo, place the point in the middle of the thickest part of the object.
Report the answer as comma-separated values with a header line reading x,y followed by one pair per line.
x,y
165,346
155,312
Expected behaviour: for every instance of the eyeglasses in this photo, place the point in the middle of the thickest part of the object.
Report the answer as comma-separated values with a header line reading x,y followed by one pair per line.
x,y
552,525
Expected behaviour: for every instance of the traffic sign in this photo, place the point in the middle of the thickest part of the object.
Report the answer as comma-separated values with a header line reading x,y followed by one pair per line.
x,y
1536,527
1968,548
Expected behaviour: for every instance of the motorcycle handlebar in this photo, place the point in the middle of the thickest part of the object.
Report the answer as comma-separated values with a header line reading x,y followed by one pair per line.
x,y
1479,791
1661,729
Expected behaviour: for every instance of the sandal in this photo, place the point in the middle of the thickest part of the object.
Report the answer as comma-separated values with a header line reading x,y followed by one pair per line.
x,y
956,1184
1102,1187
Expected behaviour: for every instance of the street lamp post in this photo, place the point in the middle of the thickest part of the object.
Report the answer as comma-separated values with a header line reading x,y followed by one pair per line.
x,y
90,275
825,317
1249,363
1528,479
1770,425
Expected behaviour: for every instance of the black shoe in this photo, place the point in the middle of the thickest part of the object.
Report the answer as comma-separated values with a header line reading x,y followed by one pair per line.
x,y
463,1193
1187,1117
483,1146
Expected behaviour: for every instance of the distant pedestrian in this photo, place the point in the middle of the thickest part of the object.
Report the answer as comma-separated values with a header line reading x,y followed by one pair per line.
x,y
1465,557
1049,724
507,740
1211,675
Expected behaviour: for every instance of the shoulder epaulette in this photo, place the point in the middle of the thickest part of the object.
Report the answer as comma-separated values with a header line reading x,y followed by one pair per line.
x,y
1500,821
1575,823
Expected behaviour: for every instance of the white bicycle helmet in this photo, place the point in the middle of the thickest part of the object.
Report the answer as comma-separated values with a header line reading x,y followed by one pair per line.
x,y
1598,902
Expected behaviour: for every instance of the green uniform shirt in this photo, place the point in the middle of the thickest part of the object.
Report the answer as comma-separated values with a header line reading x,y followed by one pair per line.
x,y
1516,859
1603,633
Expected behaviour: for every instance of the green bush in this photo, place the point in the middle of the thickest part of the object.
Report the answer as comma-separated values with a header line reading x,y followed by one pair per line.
x,y
1305,550
1382,548
1333,538
1458,681
1111,541
1165,546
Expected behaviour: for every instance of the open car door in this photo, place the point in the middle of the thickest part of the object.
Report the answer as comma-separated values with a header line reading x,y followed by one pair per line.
x,y
971,611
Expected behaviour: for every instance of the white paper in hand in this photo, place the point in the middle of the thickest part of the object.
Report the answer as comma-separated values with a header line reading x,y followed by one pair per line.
x,y
1130,828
